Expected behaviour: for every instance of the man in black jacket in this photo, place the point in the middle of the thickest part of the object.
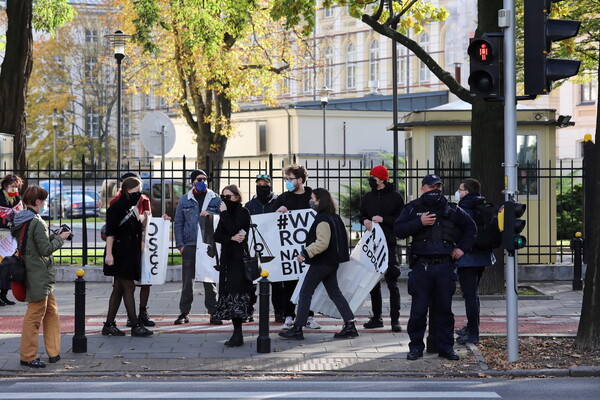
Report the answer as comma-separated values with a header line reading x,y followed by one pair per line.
x,y
383,205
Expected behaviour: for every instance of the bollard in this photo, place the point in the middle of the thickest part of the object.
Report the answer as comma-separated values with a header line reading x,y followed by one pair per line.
x,y
263,342
79,339
577,247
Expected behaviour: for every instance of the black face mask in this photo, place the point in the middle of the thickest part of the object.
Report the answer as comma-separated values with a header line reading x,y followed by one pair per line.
x,y
134,198
432,197
263,193
231,204
373,183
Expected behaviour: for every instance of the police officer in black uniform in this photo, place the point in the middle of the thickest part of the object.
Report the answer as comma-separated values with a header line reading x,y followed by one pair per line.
x,y
441,233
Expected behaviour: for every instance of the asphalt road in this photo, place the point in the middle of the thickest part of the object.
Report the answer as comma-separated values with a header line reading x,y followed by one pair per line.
x,y
361,387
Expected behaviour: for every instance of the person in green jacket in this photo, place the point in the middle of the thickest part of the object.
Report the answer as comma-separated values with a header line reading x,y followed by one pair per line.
x,y
37,247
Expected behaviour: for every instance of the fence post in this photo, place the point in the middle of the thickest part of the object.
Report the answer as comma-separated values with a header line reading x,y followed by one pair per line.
x,y
84,236
79,339
577,247
263,342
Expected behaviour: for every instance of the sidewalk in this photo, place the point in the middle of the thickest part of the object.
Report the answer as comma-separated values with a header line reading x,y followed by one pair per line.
x,y
198,347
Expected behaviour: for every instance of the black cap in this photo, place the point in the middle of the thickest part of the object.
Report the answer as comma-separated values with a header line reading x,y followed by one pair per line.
x,y
194,174
129,175
431,180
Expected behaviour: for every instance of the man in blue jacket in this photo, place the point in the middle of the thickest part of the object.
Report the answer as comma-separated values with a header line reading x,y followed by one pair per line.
x,y
471,266
192,209
441,234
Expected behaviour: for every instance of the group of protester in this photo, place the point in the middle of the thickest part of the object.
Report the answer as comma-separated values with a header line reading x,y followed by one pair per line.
x,y
443,234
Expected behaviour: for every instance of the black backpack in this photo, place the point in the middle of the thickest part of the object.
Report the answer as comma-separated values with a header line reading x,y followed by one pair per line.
x,y
489,236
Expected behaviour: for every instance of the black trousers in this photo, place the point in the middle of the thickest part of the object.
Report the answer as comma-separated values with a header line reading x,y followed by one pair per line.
x,y
391,279
469,278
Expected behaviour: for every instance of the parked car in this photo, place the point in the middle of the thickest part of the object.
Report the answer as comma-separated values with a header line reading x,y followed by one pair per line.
x,y
70,205
151,188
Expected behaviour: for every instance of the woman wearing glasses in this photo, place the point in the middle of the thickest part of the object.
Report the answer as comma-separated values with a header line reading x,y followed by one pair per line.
x,y
235,291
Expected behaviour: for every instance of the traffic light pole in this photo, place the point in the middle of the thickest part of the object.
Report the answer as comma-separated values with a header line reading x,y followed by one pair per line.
x,y
507,22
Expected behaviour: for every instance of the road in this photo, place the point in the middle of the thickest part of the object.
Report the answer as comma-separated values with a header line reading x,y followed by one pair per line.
x,y
244,387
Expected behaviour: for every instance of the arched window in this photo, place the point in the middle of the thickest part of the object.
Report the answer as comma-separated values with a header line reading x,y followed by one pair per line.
x,y
423,70
402,61
328,78
374,61
350,66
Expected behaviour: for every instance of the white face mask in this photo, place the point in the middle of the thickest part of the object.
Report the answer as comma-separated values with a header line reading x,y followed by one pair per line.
x,y
457,196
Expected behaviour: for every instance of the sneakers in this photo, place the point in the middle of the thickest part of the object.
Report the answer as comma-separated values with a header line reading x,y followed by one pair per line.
x,y
312,324
373,323
182,319
37,363
54,359
214,320
288,324
110,329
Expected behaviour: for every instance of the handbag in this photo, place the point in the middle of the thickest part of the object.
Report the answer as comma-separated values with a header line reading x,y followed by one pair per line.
x,y
13,267
252,268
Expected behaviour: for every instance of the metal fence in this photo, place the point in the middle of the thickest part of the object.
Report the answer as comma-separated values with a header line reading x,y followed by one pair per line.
x,y
552,192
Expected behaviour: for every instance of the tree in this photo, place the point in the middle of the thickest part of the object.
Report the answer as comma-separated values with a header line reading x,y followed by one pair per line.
x,y
207,56
22,17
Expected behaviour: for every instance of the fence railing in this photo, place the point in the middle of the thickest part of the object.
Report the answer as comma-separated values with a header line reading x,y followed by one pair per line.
x,y
552,191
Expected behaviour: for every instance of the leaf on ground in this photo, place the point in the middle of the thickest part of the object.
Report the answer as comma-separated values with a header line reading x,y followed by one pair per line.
x,y
125,362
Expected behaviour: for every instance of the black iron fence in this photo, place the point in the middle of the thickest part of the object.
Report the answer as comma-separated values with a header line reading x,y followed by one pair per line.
x,y
552,192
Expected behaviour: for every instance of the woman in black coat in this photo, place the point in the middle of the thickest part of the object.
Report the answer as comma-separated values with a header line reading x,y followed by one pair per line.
x,y
236,293
123,256
9,198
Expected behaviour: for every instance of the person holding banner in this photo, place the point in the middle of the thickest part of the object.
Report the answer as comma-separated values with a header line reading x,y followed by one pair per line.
x,y
123,256
442,232
383,205
326,247
10,201
297,197
264,202
199,202
236,293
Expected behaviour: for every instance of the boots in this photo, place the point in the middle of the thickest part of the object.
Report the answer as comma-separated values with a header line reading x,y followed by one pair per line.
x,y
236,340
295,332
348,331
4,299
141,331
110,329
144,319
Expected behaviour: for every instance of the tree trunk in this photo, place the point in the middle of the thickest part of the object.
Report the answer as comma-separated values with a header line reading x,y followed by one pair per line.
x,y
588,334
14,76
487,147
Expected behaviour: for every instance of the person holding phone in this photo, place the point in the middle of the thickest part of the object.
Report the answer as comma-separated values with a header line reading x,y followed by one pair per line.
x,y
236,293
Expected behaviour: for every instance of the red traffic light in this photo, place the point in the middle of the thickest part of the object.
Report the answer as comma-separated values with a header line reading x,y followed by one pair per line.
x,y
484,57
481,51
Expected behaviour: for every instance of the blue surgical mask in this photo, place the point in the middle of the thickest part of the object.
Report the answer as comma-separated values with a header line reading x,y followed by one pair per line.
x,y
44,207
289,185
201,186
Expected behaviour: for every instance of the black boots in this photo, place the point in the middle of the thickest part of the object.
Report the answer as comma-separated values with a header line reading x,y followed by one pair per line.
x,y
236,340
140,331
4,301
143,318
374,322
348,331
295,332
110,329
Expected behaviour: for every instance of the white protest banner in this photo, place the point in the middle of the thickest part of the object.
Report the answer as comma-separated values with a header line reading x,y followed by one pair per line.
x,y
207,250
8,244
281,237
155,253
357,277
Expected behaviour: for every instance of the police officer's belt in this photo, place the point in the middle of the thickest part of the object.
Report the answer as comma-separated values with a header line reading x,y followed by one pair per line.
x,y
433,259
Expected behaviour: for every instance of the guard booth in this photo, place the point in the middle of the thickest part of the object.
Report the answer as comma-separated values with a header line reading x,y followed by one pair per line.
x,y
6,151
441,137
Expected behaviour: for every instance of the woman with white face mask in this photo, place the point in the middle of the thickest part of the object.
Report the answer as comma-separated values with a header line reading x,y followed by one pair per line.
x,y
10,204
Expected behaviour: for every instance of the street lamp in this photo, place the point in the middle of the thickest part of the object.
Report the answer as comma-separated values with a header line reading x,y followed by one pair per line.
x,y
324,93
118,40
54,126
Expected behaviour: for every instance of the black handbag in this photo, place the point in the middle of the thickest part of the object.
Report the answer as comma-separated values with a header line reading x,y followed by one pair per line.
x,y
13,267
252,268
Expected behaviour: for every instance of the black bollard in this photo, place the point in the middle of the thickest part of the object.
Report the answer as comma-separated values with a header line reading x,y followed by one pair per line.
x,y
79,339
263,342
577,247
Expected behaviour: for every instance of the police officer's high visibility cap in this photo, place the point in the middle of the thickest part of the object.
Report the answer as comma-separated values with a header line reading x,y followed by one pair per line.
x,y
431,180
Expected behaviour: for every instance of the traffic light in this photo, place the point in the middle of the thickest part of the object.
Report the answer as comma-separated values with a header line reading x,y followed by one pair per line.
x,y
511,225
540,31
484,56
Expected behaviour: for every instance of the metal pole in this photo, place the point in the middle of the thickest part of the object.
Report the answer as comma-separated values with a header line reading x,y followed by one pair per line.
x,y
394,103
54,153
263,342
324,144
119,58
79,339
510,171
84,235
163,132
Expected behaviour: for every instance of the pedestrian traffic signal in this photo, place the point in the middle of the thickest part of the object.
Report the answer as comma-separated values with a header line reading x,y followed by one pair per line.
x,y
484,56
511,225
539,33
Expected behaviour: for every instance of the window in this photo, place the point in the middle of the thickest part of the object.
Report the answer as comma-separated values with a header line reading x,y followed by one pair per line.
x,y
423,70
328,12
92,124
90,68
374,61
307,80
262,137
126,130
589,91
402,62
350,66
91,36
147,101
328,79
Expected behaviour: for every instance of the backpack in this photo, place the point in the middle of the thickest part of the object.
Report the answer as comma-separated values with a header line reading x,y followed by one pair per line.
x,y
489,236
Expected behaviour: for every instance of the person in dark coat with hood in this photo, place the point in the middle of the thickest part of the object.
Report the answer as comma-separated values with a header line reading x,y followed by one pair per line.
x,y
471,266
9,199
236,293
383,204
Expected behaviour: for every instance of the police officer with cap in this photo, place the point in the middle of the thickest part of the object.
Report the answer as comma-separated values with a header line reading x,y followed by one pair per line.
x,y
441,233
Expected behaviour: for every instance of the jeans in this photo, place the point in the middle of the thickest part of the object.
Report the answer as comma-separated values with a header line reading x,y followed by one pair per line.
x,y
469,278
188,272
316,274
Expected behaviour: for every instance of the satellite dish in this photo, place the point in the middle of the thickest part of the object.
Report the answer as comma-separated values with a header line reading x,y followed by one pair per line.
x,y
151,128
